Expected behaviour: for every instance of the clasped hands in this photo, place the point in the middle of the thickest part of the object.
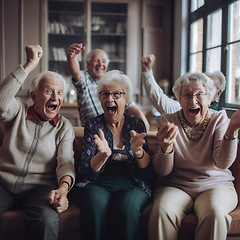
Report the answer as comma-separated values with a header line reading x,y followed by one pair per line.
x,y
58,198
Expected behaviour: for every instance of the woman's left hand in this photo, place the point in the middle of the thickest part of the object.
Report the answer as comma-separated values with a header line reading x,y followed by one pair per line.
x,y
137,141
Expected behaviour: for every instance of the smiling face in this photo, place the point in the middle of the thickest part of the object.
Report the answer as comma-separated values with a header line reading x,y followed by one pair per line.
x,y
113,108
48,98
97,65
194,107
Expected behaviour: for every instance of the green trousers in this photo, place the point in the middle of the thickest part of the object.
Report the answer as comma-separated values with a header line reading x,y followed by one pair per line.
x,y
111,206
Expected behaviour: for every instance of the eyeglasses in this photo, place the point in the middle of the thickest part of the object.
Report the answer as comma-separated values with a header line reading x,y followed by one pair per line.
x,y
115,95
199,96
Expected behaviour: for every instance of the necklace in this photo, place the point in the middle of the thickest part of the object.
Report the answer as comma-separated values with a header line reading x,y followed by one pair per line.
x,y
189,131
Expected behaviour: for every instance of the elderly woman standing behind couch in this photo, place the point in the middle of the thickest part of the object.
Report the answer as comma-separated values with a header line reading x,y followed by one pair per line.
x,y
196,149
113,174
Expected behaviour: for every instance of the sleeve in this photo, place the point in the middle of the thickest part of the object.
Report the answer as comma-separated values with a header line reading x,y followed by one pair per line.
x,y
225,151
85,173
65,159
9,104
131,104
157,97
81,81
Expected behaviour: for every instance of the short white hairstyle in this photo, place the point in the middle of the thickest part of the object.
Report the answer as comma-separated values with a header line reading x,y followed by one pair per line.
x,y
190,77
118,77
47,74
220,76
89,55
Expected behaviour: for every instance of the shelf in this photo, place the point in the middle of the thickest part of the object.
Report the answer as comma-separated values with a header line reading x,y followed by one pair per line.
x,y
109,14
108,34
67,25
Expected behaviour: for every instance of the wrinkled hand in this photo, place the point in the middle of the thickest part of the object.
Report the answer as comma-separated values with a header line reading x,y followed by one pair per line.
x,y
167,135
137,141
234,124
102,144
147,62
58,199
34,54
75,49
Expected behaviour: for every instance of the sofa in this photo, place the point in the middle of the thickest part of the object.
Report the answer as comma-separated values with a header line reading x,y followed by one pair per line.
x,y
69,222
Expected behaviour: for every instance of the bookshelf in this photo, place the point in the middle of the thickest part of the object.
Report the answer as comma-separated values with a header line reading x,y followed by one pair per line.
x,y
103,23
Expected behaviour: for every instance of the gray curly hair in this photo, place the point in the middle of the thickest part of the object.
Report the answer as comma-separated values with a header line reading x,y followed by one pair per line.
x,y
197,76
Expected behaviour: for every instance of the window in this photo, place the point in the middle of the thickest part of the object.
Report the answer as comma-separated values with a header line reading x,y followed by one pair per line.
x,y
214,43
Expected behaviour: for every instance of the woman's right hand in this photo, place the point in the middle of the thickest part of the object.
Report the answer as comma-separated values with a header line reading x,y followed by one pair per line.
x,y
167,135
104,151
102,144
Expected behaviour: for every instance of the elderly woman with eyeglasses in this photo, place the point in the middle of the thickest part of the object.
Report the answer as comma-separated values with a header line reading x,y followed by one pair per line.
x,y
115,171
196,149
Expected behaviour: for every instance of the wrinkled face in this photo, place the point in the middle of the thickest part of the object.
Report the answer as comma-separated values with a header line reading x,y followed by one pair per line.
x,y
113,104
97,66
48,98
194,102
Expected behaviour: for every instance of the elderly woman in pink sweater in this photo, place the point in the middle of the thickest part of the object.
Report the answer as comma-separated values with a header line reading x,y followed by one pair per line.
x,y
197,147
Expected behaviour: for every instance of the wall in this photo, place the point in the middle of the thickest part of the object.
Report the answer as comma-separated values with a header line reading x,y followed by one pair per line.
x,y
22,23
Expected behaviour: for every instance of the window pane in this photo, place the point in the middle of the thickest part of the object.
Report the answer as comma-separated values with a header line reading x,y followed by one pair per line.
x,y
196,62
234,13
196,37
195,4
214,29
233,91
213,59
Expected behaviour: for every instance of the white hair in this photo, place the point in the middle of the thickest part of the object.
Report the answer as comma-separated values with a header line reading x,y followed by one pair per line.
x,y
197,76
116,76
40,76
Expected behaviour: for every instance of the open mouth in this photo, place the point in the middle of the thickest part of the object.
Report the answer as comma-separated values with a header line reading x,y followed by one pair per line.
x,y
112,110
194,111
52,107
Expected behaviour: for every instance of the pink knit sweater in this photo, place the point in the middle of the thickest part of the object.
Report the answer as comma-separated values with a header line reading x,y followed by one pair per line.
x,y
195,166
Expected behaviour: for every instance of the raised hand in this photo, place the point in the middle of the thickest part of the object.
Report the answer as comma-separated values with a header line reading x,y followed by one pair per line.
x,y
234,125
167,135
102,144
137,141
75,49
147,62
34,54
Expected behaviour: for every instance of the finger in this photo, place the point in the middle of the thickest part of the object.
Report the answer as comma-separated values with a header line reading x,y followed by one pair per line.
x,y
101,134
133,133
51,197
174,132
141,135
152,57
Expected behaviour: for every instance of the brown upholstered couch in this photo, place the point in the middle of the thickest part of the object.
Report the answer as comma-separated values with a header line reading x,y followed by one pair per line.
x,y
70,227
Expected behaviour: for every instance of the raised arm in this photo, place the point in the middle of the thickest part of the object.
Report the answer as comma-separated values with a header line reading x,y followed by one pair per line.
x,y
157,97
72,60
34,54
10,85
